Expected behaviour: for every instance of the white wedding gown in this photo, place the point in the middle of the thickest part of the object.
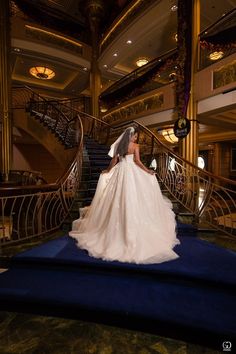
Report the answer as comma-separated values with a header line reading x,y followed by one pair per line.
x,y
129,219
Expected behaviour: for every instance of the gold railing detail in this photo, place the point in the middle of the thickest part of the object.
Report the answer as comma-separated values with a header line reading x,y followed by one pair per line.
x,y
148,103
34,210
224,75
30,211
211,199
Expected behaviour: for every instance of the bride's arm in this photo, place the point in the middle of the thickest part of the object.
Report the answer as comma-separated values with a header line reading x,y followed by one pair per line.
x,y
113,162
139,162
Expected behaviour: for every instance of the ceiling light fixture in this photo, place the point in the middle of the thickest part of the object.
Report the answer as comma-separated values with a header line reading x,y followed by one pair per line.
x,y
129,41
216,55
176,37
115,55
141,61
42,72
105,66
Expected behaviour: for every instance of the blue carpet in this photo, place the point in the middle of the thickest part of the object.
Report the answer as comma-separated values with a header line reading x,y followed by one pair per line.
x,y
199,260
191,298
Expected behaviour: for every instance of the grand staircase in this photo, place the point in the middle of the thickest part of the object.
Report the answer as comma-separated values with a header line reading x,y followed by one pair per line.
x,y
96,159
197,195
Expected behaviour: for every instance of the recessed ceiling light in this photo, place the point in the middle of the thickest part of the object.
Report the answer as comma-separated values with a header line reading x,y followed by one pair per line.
x,y
216,55
174,8
115,55
129,41
17,50
85,69
105,66
141,61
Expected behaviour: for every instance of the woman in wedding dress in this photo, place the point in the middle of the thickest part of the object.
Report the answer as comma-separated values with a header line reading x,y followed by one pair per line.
x,y
129,220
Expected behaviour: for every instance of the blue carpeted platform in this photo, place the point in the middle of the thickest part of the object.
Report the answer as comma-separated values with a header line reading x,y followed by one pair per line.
x,y
191,298
199,260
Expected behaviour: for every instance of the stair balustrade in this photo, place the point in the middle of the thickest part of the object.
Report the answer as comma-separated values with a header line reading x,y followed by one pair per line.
x,y
36,210
210,198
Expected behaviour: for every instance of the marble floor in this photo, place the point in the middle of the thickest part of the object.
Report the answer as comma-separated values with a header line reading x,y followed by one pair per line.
x,y
30,334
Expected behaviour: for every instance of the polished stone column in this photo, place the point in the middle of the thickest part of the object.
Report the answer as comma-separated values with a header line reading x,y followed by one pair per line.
x,y
95,10
5,89
189,145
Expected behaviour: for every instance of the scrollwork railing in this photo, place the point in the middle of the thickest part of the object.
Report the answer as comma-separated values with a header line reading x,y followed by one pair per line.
x,y
36,210
212,199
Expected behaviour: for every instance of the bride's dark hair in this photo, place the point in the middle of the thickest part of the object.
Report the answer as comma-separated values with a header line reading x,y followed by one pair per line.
x,y
122,147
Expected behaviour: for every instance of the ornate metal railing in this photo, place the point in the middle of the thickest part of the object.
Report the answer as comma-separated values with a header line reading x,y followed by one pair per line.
x,y
36,210
157,73
218,40
212,199
58,117
27,177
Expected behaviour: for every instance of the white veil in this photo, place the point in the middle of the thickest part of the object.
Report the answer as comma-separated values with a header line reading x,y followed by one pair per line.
x,y
114,146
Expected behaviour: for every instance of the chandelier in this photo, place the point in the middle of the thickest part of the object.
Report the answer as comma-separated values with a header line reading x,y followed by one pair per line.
x,y
42,72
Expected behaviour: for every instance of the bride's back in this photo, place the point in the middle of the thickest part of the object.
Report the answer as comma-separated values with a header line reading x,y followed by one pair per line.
x,y
131,148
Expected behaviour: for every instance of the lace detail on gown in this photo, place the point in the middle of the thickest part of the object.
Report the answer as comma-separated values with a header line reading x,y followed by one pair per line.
x,y
129,219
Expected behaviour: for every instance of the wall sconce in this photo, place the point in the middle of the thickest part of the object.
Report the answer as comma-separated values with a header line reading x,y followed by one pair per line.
x,y
103,109
42,72
169,135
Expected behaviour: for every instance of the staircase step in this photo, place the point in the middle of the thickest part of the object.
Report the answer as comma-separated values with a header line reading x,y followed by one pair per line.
x,y
96,169
99,157
97,148
93,184
99,163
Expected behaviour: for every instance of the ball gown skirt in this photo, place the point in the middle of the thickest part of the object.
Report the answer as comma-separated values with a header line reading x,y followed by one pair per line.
x,y
129,220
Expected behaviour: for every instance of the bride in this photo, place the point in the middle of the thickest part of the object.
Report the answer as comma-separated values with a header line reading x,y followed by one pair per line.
x,y
129,220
